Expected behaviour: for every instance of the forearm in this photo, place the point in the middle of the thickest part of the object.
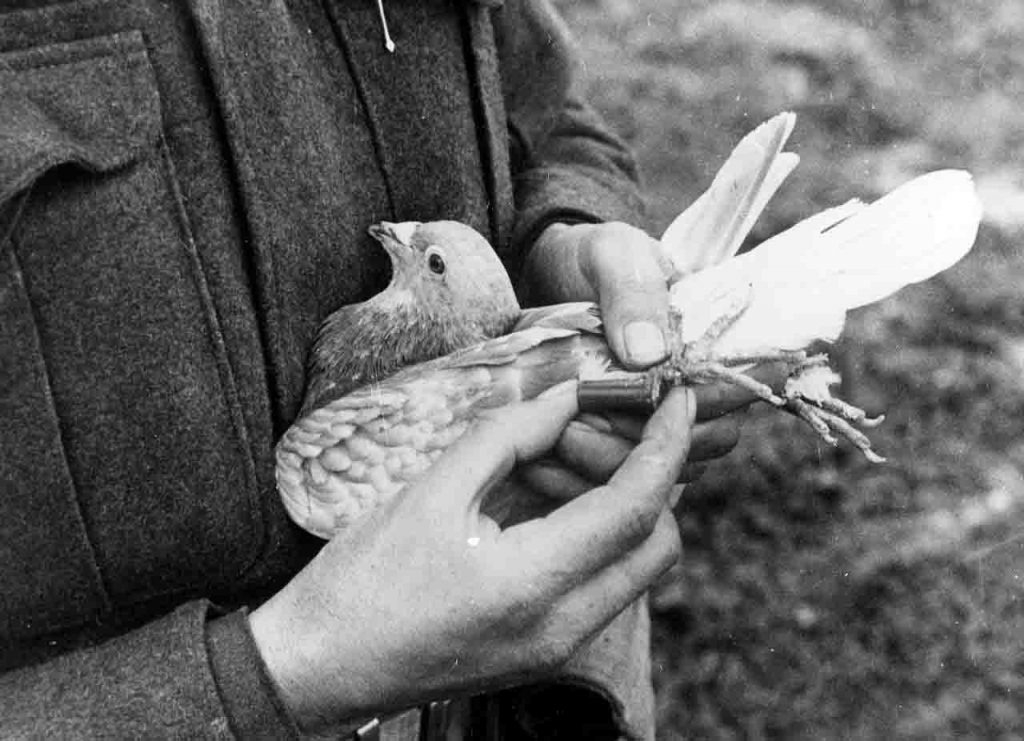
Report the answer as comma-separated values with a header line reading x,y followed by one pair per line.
x,y
567,165
576,175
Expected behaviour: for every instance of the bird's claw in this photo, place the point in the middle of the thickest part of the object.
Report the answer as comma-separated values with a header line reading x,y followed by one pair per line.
x,y
697,362
712,371
806,394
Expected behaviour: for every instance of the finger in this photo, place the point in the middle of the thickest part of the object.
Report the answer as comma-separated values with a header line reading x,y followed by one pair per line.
x,y
600,526
692,472
628,426
554,480
640,568
624,270
675,496
714,439
498,441
593,454
596,600
713,402
716,433
565,611
556,483
595,447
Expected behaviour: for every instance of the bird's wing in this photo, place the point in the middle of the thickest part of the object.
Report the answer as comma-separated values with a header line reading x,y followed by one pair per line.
x,y
342,460
713,228
582,316
797,287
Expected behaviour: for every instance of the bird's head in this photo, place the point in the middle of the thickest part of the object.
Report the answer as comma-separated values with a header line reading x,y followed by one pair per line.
x,y
448,270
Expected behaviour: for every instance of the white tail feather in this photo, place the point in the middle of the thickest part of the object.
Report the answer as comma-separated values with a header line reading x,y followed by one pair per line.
x,y
713,228
799,285
909,235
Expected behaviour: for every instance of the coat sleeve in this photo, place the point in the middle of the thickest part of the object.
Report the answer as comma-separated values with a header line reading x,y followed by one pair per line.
x,y
192,674
567,165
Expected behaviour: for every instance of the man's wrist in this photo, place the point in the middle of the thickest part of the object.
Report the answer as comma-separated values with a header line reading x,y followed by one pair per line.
x,y
289,670
249,696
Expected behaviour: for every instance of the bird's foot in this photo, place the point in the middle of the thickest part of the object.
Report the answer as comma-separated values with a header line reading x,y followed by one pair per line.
x,y
707,371
697,362
806,394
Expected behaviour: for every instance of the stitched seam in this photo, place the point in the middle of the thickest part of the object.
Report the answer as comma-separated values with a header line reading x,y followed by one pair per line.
x,y
17,211
135,57
261,280
486,143
24,63
337,25
223,359
265,283
65,151
101,587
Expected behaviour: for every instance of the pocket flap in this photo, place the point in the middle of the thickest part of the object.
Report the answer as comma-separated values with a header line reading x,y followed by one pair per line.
x,y
93,103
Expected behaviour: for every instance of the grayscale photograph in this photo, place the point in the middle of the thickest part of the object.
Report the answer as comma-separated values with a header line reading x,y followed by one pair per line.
x,y
512,370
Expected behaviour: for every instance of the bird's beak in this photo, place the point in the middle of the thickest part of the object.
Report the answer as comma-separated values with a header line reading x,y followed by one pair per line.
x,y
395,238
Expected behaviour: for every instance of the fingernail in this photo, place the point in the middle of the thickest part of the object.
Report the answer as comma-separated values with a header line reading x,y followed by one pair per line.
x,y
564,387
645,343
678,405
691,404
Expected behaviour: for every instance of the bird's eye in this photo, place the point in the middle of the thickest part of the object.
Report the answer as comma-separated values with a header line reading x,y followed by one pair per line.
x,y
435,260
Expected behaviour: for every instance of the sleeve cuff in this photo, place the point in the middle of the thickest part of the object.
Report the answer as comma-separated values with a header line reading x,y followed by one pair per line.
x,y
250,699
581,195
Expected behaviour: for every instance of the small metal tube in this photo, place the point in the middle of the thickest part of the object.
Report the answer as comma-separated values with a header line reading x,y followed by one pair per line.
x,y
625,392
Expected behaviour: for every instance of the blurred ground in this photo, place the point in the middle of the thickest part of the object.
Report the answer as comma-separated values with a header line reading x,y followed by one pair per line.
x,y
823,597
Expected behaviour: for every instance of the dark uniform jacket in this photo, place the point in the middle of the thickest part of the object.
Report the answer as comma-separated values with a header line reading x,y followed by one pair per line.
x,y
185,187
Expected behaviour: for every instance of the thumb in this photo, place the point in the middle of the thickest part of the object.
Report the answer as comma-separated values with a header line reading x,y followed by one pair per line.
x,y
498,440
633,294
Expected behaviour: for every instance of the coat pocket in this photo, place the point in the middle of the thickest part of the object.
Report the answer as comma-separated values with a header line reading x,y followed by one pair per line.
x,y
91,103
126,474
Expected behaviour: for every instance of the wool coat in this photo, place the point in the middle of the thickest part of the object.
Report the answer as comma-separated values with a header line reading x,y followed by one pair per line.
x,y
185,187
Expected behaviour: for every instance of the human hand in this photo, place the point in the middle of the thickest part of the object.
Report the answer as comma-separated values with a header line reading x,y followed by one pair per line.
x,y
430,598
622,269
616,265
593,446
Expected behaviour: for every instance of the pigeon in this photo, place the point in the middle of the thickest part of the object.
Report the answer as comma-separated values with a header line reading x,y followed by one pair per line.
x,y
393,381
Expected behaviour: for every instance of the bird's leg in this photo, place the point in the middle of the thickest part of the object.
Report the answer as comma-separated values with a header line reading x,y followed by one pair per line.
x,y
698,362
709,371
805,394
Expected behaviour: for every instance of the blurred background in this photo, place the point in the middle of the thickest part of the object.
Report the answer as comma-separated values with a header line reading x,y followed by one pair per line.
x,y
823,597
